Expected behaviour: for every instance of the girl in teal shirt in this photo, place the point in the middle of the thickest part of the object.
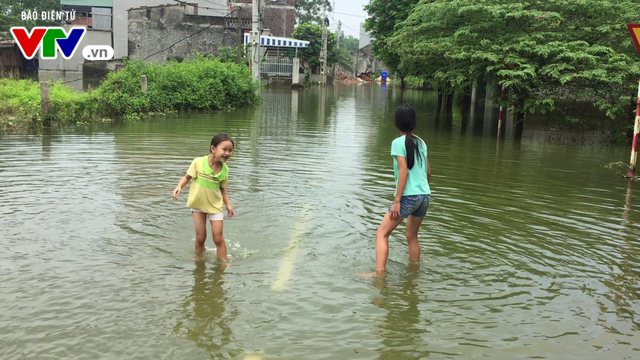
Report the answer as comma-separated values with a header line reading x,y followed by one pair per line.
x,y
413,175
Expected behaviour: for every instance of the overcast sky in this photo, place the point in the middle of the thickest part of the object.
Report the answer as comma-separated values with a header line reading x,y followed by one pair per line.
x,y
350,23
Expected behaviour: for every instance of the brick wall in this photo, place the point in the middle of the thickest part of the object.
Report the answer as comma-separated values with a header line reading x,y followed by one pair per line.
x,y
279,18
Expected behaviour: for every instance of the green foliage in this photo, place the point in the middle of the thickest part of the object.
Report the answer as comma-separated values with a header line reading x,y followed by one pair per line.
x,y
541,51
310,11
11,14
20,100
201,83
311,54
349,43
385,16
230,55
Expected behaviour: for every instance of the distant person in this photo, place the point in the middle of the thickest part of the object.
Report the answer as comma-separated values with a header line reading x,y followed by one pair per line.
x,y
413,175
208,193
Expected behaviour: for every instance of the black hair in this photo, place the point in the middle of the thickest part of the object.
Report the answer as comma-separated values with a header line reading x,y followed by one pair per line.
x,y
220,138
405,121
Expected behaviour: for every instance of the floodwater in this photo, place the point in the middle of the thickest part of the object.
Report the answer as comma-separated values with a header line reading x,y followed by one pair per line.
x,y
530,249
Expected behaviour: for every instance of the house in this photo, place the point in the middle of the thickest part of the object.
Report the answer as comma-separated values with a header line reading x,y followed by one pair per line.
x,y
366,63
11,58
121,16
163,32
278,16
96,17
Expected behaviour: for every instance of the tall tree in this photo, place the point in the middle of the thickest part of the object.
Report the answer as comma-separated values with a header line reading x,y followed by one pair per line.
x,y
11,14
384,16
311,55
349,42
541,51
310,11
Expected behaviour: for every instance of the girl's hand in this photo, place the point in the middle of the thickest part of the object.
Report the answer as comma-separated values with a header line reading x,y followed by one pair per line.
x,y
230,212
395,210
176,192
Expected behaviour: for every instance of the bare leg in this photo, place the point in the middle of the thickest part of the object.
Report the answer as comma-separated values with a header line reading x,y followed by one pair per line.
x,y
200,222
382,242
218,239
413,225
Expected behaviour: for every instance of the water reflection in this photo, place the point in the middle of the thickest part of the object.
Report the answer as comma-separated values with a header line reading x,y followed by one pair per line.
x,y
401,331
625,276
207,319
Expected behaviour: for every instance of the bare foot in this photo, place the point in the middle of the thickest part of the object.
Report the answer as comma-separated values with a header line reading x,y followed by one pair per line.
x,y
199,255
374,275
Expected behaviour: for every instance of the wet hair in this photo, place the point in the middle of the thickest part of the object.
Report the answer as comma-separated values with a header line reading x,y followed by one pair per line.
x,y
405,121
220,138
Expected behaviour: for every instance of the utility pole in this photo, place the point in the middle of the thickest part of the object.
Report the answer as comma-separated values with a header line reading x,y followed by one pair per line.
x,y
323,53
335,66
256,31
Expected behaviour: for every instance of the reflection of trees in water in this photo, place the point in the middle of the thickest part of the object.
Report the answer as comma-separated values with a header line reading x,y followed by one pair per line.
x,y
207,321
623,285
401,331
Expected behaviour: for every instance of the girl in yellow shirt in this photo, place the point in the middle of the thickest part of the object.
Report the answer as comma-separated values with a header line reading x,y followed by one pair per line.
x,y
208,193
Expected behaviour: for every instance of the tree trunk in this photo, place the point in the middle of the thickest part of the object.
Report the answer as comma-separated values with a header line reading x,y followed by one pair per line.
x,y
448,102
402,83
465,110
519,115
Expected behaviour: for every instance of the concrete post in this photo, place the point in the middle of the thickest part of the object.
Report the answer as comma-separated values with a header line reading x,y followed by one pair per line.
x,y
143,81
45,102
256,30
295,72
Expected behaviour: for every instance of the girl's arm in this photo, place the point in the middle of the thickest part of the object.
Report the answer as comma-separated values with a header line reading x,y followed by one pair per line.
x,y
428,172
403,175
183,182
225,198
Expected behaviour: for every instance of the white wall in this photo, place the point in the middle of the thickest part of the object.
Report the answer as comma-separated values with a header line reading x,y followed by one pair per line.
x,y
91,37
121,19
365,39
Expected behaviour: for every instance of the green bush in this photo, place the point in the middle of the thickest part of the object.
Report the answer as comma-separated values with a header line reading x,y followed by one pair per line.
x,y
202,83
199,84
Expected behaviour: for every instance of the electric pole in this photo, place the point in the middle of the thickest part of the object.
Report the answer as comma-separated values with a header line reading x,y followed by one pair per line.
x,y
335,65
323,53
256,31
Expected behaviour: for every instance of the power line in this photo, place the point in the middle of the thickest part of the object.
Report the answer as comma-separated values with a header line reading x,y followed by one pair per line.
x,y
203,7
360,16
357,32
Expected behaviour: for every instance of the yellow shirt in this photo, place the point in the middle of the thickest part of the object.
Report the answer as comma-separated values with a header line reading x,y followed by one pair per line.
x,y
204,193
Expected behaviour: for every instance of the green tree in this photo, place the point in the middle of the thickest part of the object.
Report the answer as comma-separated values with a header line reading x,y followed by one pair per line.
x,y
349,42
310,11
311,55
11,14
384,17
541,51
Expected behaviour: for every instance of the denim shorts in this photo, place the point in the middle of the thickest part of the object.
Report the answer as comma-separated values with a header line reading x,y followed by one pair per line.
x,y
414,205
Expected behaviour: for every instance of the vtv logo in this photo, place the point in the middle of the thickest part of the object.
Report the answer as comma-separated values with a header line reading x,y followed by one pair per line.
x,y
48,39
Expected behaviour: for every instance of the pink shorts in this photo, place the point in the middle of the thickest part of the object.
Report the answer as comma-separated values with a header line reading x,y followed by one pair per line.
x,y
211,217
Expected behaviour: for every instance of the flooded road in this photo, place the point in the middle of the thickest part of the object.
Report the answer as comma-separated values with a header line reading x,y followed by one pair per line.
x,y
530,249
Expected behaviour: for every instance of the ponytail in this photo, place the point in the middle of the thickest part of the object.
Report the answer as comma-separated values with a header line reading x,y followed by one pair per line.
x,y
405,121
412,145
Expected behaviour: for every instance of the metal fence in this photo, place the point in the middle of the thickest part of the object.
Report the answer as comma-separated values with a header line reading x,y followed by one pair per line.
x,y
282,67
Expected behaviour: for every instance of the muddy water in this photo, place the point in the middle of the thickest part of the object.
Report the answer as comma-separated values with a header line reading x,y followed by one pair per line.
x,y
530,249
